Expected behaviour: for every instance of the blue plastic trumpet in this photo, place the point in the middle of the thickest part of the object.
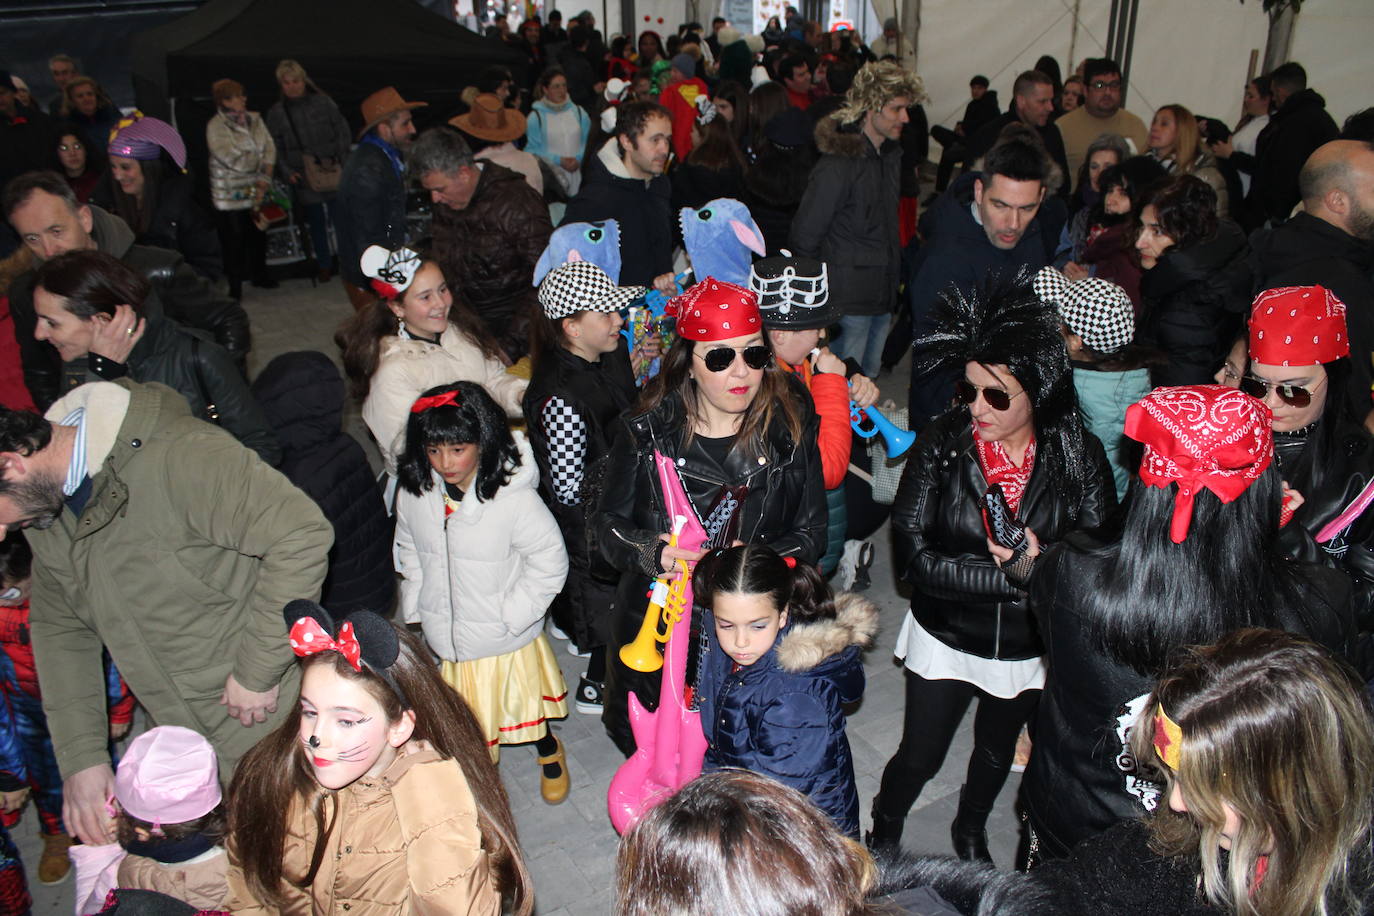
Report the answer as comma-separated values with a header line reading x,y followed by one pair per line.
x,y
896,440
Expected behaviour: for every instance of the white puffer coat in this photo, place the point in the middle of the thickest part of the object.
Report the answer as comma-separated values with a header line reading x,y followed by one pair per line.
x,y
479,582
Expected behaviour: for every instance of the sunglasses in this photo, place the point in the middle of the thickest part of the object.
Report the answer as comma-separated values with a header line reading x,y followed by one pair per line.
x,y
997,399
718,359
1292,395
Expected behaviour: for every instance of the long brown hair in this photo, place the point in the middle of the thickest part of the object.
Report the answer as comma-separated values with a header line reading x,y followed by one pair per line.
x,y
774,399
360,337
274,777
717,150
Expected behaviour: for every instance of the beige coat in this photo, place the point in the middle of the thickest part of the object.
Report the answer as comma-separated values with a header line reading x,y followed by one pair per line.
x,y
199,882
406,368
240,156
404,842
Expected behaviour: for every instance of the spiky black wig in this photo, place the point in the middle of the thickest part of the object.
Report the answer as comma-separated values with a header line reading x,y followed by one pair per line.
x,y
1003,322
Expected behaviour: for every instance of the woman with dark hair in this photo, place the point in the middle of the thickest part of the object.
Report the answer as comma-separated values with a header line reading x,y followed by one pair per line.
x,y
649,49
1013,447
1197,556
312,140
242,157
1299,366
732,101
148,188
715,166
1197,281
1176,144
1071,96
557,129
743,436
780,167
82,165
98,315
766,101
87,106
1239,151
1100,240
1103,153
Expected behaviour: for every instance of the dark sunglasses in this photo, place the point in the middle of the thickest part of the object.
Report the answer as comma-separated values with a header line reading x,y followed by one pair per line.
x,y
997,399
718,359
1292,395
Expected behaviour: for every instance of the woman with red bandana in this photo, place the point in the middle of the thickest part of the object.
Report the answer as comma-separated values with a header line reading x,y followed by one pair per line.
x,y
743,436
1197,556
969,633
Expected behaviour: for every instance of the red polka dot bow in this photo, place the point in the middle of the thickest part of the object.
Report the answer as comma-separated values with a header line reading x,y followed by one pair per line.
x,y
1298,326
309,638
1201,437
715,310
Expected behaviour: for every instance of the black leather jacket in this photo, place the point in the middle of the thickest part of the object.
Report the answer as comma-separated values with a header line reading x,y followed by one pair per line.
x,y
1081,778
961,596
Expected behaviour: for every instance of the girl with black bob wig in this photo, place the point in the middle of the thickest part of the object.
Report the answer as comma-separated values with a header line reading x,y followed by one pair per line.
x,y
1195,556
969,633
478,422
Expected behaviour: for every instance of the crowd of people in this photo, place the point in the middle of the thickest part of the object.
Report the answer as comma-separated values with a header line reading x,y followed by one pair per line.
x,y
633,358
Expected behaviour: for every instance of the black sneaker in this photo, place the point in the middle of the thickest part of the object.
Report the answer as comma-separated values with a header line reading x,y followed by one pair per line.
x,y
589,697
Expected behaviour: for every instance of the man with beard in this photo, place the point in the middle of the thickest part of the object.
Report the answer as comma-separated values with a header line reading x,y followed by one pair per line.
x,y
1331,244
625,181
162,538
371,206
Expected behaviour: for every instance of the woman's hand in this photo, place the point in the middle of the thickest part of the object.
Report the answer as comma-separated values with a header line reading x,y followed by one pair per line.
x,y
672,554
1291,503
1075,271
1222,149
114,336
1003,555
569,163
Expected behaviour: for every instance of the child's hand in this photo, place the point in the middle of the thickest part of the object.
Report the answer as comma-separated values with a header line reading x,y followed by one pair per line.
x,y
11,802
862,391
119,729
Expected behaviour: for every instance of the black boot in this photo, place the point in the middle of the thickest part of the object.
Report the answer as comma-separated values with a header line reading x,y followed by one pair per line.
x,y
886,832
969,832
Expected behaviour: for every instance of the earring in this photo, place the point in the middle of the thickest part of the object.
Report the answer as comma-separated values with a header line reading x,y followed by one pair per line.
x,y
400,326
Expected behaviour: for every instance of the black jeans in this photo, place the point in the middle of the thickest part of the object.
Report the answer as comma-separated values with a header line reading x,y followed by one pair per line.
x,y
244,246
934,710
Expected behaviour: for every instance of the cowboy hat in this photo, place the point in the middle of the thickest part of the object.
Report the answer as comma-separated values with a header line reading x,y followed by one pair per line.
x,y
488,119
381,105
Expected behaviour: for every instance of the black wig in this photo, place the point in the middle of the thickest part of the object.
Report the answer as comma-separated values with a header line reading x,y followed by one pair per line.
x,y
1004,322
472,418
1324,456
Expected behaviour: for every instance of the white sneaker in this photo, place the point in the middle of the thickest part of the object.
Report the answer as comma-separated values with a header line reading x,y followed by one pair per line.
x,y
555,632
849,566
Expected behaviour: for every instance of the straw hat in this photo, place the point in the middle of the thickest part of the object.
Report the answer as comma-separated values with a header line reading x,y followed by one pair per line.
x,y
381,105
488,119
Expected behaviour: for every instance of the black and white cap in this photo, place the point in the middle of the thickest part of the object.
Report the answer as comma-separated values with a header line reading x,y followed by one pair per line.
x,y
1096,310
793,293
581,286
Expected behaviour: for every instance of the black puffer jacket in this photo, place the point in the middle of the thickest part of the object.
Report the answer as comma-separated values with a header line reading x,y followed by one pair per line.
x,y
1293,133
193,366
961,597
177,223
642,208
185,296
370,209
1195,299
848,218
1081,778
302,395
488,251
784,508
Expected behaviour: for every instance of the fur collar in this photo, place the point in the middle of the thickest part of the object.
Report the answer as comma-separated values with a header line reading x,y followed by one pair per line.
x,y
807,645
834,140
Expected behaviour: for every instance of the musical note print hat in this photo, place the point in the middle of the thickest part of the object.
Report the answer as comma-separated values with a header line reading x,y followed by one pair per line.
x,y
793,293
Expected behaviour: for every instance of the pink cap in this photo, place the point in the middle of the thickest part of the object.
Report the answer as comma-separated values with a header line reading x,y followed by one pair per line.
x,y
168,776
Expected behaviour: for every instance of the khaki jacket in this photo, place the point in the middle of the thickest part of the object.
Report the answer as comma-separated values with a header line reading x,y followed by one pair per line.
x,y
180,563
406,841
199,882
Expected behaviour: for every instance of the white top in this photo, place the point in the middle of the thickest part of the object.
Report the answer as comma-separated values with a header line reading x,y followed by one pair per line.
x,y
925,655
1244,141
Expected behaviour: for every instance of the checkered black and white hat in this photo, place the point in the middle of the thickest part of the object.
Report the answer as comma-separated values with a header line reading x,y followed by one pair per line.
x,y
1096,310
581,286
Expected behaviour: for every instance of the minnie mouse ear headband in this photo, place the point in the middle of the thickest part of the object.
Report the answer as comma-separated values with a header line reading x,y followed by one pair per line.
x,y
143,138
715,310
582,286
793,293
1200,437
364,639
1096,310
391,272
1298,326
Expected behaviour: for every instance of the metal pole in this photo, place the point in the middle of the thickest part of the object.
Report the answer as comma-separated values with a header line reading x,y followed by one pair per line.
x,y
1073,37
1128,52
1111,29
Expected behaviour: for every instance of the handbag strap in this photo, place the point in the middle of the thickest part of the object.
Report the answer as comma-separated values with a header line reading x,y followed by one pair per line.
x,y
291,122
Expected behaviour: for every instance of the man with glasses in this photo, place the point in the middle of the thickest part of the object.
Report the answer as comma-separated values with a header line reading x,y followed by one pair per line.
x,y
1101,113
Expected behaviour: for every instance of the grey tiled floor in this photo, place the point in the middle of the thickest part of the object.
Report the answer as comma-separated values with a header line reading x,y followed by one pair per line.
x,y
571,848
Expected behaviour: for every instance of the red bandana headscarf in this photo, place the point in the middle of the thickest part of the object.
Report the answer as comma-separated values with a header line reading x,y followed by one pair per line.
x,y
1298,326
1200,437
715,310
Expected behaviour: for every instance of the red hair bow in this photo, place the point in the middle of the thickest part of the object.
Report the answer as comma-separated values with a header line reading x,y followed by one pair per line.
x,y
309,638
435,400
385,289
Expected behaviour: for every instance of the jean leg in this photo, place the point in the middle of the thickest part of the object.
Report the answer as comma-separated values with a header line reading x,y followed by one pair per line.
x,y
872,359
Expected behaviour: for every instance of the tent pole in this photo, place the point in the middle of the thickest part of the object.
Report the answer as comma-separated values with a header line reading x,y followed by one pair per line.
x,y
1073,36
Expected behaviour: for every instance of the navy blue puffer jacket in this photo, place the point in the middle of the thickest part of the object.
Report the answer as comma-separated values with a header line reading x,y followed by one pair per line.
x,y
782,716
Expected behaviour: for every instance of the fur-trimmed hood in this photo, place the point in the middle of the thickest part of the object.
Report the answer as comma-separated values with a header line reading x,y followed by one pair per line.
x,y
834,139
805,646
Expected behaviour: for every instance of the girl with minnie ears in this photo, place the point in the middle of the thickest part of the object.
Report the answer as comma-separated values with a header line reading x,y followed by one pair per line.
x,y
376,795
782,658
482,559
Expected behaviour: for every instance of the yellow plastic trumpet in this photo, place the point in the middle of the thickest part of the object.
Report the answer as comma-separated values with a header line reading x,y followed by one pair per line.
x,y
665,607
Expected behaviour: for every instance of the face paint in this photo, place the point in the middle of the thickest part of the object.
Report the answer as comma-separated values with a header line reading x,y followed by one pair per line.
x,y
344,730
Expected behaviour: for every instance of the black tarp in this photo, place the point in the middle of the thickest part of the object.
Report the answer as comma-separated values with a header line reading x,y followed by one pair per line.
x,y
351,48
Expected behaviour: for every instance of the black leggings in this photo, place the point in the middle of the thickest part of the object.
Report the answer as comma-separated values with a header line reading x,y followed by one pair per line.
x,y
934,710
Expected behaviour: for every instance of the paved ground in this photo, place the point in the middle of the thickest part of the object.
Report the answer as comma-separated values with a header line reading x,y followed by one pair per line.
x,y
571,848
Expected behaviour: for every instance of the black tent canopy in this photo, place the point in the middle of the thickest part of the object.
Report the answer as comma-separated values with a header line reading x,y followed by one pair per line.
x,y
351,48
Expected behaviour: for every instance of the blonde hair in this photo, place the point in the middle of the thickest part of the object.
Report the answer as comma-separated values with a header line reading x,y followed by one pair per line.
x,y
291,67
1275,727
1187,138
878,84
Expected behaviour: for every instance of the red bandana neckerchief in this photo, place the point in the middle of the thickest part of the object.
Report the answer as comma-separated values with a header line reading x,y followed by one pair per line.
x,y
998,469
